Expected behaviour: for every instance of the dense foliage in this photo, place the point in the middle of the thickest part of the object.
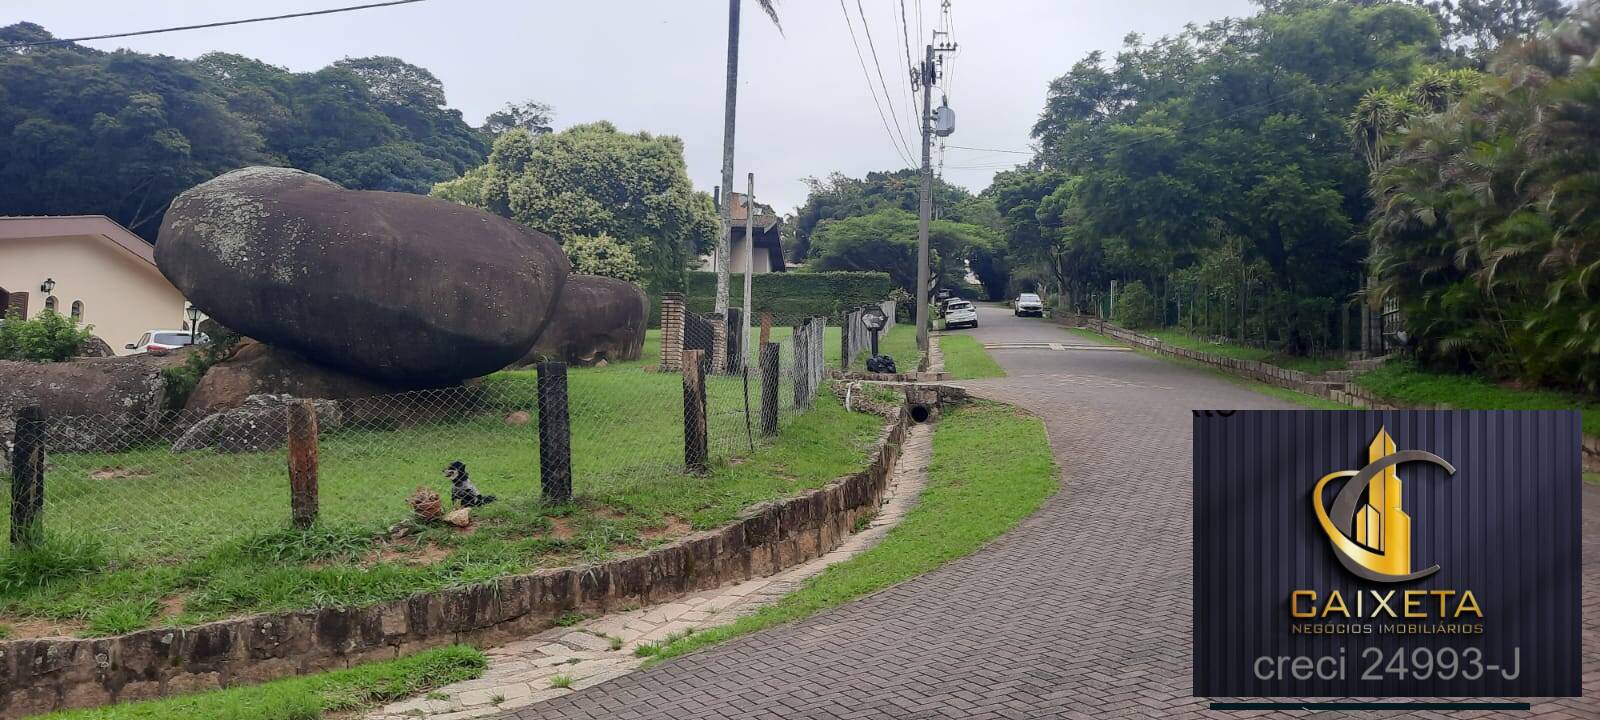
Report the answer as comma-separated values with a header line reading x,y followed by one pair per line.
x,y
1487,229
886,240
121,133
594,179
46,337
602,255
1214,166
839,196
790,296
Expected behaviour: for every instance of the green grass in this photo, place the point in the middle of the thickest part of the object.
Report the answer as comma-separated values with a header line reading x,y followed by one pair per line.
x,y
1408,384
149,538
305,698
1181,338
965,358
1592,478
1298,398
900,343
971,499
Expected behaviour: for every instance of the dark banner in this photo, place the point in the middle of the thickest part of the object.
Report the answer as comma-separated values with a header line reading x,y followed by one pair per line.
x,y
1387,554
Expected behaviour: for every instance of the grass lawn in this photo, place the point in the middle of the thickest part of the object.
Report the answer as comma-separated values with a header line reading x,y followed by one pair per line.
x,y
1592,478
965,358
1298,398
305,698
1406,383
971,499
1181,338
151,538
900,343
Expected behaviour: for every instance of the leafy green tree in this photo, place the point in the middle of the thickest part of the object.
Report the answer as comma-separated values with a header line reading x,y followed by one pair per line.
x,y
534,117
1486,230
121,133
591,180
886,241
1136,307
838,196
602,255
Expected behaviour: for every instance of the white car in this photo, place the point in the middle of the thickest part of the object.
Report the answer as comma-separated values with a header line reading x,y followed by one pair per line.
x,y
165,340
958,313
1028,304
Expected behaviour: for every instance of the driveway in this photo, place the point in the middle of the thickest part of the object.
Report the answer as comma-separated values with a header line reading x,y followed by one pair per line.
x,y
1081,611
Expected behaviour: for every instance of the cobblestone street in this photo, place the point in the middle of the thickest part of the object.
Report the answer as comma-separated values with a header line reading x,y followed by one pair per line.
x,y
1082,611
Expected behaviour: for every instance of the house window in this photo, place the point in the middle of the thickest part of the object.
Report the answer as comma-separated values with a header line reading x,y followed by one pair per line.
x,y
77,311
50,303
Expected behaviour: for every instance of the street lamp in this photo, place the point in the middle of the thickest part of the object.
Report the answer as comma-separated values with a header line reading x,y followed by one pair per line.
x,y
47,286
194,321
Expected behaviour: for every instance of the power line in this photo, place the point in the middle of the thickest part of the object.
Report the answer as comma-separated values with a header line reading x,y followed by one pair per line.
x,y
905,40
996,150
893,140
63,41
887,98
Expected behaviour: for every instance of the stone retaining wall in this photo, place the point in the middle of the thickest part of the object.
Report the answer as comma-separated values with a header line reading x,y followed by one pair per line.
x,y
1340,392
48,674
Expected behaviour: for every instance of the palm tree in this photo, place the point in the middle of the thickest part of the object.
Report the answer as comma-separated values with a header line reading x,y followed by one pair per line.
x,y
725,212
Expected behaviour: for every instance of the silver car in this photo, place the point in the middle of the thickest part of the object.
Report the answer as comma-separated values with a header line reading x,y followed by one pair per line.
x,y
1028,304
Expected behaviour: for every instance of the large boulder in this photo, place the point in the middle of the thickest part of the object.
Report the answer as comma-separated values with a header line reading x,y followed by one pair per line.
x,y
600,318
93,405
394,287
261,423
255,368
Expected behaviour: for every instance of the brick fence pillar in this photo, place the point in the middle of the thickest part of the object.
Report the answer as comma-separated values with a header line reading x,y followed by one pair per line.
x,y
671,331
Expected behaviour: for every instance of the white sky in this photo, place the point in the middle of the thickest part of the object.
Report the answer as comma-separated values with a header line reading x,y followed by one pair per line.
x,y
804,107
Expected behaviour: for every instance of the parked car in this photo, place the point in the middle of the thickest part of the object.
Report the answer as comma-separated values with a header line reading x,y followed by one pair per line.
x,y
165,340
959,313
1028,304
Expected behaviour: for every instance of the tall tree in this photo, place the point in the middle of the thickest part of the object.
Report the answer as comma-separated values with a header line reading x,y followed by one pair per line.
x,y
535,117
592,181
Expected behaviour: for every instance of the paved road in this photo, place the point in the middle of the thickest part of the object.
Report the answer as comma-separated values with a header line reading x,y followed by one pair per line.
x,y
1082,611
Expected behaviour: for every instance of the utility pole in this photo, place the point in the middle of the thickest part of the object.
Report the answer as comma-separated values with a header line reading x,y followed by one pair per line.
x,y
928,75
725,208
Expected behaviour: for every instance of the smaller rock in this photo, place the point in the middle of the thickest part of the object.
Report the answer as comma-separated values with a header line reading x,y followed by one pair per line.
x,y
260,424
459,518
601,363
520,417
426,503
95,347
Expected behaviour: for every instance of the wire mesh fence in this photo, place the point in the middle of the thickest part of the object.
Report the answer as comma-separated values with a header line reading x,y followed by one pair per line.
x,y
190,482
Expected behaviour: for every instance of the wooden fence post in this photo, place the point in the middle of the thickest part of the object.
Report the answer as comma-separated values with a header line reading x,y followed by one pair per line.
x,y
769,389
799,339
695,455
303,459
555,433
27,478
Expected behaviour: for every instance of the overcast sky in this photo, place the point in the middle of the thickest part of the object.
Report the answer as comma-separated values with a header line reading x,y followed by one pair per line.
x,y
804,105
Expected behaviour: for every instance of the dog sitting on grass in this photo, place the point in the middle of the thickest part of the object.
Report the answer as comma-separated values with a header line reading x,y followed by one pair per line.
x,y
462,492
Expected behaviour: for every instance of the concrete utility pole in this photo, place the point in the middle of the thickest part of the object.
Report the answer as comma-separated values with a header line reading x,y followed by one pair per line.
x,y
926,78
749,264
725,208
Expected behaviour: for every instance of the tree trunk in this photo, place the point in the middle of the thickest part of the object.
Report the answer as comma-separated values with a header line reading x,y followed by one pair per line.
x,y
725,229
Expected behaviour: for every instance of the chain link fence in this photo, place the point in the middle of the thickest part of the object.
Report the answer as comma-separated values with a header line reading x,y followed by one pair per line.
x,y
189,483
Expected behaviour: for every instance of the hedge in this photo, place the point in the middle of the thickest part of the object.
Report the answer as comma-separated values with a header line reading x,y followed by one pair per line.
x,y
787,295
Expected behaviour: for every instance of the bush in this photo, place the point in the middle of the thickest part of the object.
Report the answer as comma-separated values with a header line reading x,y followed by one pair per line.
x,y
1136,307
792,295
183,379
48,337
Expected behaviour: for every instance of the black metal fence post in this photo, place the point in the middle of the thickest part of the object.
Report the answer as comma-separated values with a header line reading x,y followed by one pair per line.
x,y
555,433
27,478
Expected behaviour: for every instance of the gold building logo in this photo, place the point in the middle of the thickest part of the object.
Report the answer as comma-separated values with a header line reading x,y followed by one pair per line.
x,y
1373,538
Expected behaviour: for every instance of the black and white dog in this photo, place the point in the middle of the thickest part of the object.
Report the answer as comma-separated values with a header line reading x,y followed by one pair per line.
x,y
462,491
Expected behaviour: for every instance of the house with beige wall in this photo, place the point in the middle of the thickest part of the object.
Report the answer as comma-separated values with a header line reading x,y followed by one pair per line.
x,y
91,268
768,243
